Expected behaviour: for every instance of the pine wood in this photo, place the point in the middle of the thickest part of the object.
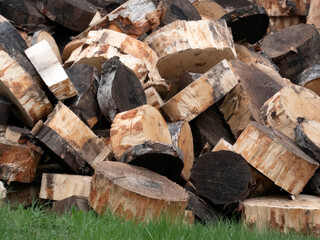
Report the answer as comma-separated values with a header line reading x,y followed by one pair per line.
x,y
258,83
17,134
276,156
5,109
60,186
310,78
181,136
202,93
280,213
51,71
290,49
135,193
137,126
292,102
314,14
153,98
66,205
180,49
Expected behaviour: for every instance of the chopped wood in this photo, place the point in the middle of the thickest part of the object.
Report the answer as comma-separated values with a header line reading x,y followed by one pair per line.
x,y
153,98
292,102
310,78
17,134
202,93
107,5
66,205
276,156
290,49
222,145
137,126
278,23
314,14
313,186
280,213
135,193
5,109
23,194
180,49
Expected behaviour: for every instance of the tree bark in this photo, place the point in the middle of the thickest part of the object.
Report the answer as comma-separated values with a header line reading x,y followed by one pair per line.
x,y
310,78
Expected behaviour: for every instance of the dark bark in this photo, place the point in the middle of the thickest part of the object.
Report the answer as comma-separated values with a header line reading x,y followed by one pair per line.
x,y
5,109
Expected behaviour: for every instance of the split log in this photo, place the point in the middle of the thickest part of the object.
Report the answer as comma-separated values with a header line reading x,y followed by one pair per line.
x,y
276,156
137,126
17,134
280,213
136,55
165,159
31,104
308,137
314,14
75,15
135,193
258,83
5,109
66,135
222,177
86,82
180,49
3,19
153,98
202,93
66,205
181,136
310,78
23,14
119,89
222,145
290,49
248,21
60,186
51,71
40,35
292,102
23,194
278,23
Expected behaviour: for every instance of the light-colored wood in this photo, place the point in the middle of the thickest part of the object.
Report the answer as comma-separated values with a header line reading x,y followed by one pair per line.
x,y
16,84
281,213
16,134
3,19
3,192
136,55
278,23
222,145
51,71
202,93
135,193
60,186
153,98
282,110
137,126
310,78
209,9
192,46
276,156
314,13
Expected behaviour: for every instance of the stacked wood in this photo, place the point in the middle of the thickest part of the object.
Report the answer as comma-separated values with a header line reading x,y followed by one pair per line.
x,y
22,193
153,98
310,78
314,14
135,193
17,134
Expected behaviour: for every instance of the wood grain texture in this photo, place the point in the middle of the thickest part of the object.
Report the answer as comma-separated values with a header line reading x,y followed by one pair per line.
x,y
310,78
314,14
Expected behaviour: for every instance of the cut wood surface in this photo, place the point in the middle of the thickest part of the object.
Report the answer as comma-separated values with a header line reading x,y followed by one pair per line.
x,y
66,206
281,213
30,102
290,49
5,109
276,156
292,102
51,71
181,136
153,98
135,193
202,93
314,14
165,159
60,186
310,78
180,48
17,134
222,145
119,89
75,15
222,177
137,126
258,83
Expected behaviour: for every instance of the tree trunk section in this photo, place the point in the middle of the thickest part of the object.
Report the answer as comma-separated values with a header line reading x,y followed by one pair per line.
x,y
153,98
314,14
310,78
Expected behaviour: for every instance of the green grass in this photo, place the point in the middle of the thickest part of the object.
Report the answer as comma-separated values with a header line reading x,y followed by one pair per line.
x,y
34,223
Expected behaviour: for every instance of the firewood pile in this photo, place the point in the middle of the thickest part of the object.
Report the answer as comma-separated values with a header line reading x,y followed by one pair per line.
x,y
184,108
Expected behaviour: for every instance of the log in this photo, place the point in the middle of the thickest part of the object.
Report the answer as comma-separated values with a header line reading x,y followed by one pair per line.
x,y
16,84
292,102
307,135
258,83
85,105
310,78
5,109
280,213
153,98
24,194
276,156
17,134
202,93
314,14
135,193
222,145
119,89
137,126
136,55
50,70
60,186
164,159
247,20
290,49
278,23
107,5
313,186
179,51
222,177
79,145
181,136
75,15
68,205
